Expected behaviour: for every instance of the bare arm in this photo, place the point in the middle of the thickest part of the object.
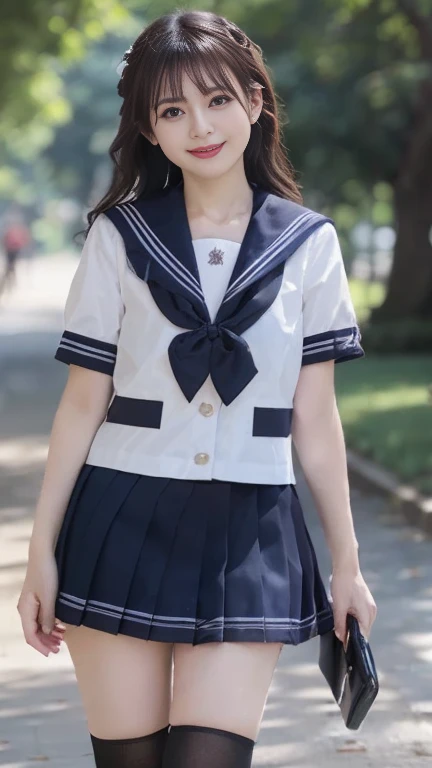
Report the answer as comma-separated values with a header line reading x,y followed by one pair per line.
x,y
81,410
319,441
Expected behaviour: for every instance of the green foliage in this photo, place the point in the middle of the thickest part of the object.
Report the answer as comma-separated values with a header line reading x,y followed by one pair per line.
x,y
385,407
38,41
349,81
80,150
408,337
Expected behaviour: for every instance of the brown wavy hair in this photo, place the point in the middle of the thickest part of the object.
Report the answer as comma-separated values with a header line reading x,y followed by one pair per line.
x,y
198,43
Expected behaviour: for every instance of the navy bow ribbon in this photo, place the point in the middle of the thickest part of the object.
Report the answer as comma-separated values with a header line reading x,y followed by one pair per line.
x,y
216,349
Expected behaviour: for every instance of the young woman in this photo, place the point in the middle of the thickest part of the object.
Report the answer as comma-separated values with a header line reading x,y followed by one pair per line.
x,y
201,329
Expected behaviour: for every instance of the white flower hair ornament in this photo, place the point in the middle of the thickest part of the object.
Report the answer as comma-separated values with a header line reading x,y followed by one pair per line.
x,y
121,67
124,61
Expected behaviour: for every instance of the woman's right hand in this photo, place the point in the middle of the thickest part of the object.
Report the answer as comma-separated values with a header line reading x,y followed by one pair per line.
x,y
36,603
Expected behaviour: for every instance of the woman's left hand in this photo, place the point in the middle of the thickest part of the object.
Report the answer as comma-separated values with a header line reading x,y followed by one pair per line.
x,y
350,594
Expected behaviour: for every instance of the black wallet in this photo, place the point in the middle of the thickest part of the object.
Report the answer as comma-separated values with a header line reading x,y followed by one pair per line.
x,y
350,672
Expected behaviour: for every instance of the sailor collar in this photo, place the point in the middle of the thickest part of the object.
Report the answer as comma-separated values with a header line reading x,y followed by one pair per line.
x,y
159,250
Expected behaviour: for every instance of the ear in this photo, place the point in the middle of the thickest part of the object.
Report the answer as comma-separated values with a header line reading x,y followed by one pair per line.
x,y
151,138
256,102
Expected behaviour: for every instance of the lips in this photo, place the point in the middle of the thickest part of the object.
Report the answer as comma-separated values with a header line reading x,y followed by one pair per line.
x,y
205,153
209,148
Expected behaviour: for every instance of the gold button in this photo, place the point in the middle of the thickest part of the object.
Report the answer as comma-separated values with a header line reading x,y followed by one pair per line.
x,y
201,458
206,409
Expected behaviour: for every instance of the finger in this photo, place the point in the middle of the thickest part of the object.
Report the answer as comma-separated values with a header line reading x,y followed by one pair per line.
x,y
47,644
52,637
52,647
340,625
56,633
48,640
46,616
364,624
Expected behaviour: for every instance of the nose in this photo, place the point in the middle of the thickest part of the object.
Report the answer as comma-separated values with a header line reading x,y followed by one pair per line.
x,y
200,124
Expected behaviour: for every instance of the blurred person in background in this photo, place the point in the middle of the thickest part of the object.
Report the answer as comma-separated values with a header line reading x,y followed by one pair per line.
x,y
15,238
201,329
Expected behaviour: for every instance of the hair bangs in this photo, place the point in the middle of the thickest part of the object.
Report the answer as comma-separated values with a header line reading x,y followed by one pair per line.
x,y
204,65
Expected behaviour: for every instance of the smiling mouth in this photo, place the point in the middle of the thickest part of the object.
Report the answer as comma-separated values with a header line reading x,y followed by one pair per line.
x,y
207,149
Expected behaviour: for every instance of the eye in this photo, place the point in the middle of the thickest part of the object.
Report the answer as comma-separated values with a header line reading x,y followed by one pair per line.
x,y
171,109
227,99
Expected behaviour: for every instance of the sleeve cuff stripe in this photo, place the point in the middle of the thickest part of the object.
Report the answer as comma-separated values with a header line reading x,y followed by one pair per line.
x,y
317,345
97,354
335,335
75,346
88,341
319,350
338,345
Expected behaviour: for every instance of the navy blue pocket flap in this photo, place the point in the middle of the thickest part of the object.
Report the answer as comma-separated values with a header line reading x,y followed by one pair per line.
x,y
135,413
272,422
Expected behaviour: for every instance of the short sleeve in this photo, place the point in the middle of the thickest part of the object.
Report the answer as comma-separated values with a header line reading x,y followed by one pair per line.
x,y
330,328
94,307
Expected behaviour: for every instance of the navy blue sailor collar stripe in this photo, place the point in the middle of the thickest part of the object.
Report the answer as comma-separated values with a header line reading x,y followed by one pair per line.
x,y
159,250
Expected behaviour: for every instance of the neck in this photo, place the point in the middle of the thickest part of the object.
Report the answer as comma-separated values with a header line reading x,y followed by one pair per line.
x,y
219,200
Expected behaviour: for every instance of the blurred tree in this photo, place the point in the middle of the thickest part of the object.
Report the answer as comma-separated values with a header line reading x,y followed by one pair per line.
x,y
80,149
38,41
357,78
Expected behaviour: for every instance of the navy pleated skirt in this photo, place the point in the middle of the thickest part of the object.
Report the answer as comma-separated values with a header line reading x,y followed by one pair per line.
x,y
188,561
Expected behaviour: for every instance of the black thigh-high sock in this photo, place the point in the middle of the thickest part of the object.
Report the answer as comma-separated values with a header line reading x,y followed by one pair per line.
x,y
197,746
139,752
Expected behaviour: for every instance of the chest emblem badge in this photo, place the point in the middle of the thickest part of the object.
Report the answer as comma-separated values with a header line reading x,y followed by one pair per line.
x,y
216,256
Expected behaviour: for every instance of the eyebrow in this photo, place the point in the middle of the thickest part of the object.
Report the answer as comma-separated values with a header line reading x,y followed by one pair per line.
x,y
179,100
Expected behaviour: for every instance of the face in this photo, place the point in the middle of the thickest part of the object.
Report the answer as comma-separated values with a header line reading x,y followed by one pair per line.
x,y
205,121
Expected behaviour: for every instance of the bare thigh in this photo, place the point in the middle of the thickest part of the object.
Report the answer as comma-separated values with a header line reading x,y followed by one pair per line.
x,y
124,682
223,685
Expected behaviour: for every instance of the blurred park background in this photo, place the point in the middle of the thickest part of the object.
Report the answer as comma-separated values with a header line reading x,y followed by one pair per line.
x,y
355,80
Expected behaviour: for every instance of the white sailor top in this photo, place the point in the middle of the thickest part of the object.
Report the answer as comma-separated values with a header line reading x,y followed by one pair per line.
x,y
197,394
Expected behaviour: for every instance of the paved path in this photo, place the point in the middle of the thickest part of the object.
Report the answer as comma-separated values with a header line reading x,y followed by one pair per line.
x,y
41,719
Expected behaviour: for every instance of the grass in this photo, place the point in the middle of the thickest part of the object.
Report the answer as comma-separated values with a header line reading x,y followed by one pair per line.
x,y
386,410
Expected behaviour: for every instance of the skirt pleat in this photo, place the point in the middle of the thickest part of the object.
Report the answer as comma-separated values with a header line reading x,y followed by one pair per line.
x,y
211,595
126,535
69,515
279,559
92,535
188,561
244,581
186,566
154,570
